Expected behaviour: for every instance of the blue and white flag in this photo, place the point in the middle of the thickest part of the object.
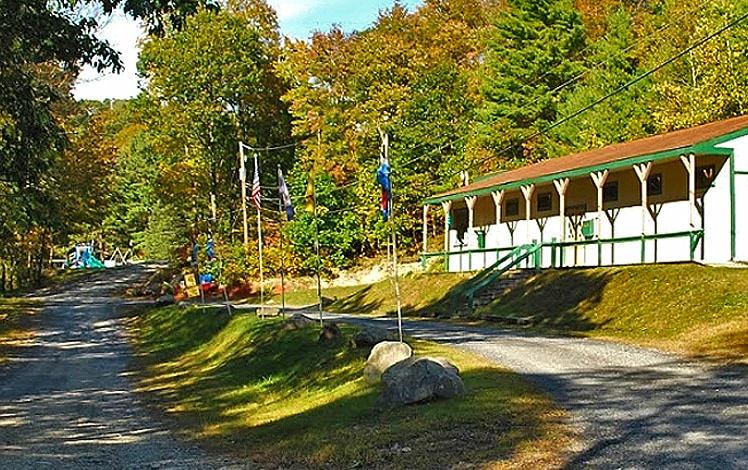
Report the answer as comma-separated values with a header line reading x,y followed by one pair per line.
x,y
285,197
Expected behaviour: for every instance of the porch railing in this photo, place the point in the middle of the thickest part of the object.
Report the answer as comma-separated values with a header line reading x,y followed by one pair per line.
x,y
557,250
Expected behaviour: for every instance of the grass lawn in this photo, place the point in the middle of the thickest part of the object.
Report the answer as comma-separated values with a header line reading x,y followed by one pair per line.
x,y
281,398
691,309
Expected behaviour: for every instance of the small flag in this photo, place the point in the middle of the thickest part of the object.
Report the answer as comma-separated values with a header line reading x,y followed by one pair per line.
x,y
383,178
310,199
285,197
256,187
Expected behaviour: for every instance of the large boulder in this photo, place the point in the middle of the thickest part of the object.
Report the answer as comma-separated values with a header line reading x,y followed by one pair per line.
x,y
419,380
371,336
297,322
329,332
383,356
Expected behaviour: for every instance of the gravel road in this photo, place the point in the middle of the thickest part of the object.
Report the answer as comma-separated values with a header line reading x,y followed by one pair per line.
x,y
66,399
637,408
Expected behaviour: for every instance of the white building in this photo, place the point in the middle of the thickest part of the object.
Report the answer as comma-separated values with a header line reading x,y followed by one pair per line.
x,y
678,196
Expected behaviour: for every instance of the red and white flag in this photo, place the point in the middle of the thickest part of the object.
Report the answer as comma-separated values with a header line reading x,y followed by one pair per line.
x,y
256,187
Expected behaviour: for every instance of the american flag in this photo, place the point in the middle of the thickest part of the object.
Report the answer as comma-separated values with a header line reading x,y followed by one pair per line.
x,y
256,188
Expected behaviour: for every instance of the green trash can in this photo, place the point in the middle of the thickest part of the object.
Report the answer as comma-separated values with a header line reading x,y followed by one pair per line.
x,y
481,239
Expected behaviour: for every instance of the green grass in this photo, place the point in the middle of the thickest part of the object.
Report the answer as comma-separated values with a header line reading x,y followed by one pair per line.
x,y
16,324
686,308
422,295
281,398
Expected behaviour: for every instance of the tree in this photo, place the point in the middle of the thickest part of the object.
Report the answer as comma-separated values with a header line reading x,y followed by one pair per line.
x,y
532,60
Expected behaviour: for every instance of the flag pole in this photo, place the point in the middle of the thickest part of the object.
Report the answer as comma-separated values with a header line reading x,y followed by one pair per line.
x,y
316,249
259,247
393,235
280,242
243,181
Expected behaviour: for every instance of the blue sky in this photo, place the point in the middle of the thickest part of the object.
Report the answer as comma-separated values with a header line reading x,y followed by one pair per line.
x,y
298,19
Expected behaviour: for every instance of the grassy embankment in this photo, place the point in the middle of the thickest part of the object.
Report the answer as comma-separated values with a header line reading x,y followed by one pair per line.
x,y
281,398
686,308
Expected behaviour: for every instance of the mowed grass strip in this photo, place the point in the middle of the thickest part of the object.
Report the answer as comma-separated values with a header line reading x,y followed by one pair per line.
x,y
16,324
686,308
281,398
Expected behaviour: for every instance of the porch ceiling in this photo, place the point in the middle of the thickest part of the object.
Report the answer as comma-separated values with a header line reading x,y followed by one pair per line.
x,y
697,140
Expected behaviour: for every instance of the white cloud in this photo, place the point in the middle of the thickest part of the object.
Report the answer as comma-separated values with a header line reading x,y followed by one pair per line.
x,y
289,9
123,34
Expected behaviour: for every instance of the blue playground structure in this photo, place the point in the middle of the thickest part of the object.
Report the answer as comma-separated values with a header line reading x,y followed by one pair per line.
x,y
82,256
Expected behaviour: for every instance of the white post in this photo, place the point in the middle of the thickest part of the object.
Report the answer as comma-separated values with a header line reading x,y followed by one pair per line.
x,y
527,191
690,163
599,178
498,198
259,247
561,186
642,171
446,207
470,202
243,182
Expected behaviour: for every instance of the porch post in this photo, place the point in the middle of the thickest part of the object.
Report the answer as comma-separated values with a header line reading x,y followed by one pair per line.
x,y
689,162
527,192
470,202
599,178
498,198
446,207
561,186
425,227
642,171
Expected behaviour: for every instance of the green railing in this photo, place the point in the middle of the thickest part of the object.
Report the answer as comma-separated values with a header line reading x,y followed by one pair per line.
x,y
514,258
557,250
532,253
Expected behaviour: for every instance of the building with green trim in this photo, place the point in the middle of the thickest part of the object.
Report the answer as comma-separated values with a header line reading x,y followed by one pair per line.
x,y
673,197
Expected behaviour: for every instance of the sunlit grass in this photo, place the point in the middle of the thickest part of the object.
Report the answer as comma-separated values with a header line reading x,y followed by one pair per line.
x,y
15,324
686,308
283,398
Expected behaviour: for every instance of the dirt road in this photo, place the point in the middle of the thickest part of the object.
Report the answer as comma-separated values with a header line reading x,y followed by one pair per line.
x,y
67,400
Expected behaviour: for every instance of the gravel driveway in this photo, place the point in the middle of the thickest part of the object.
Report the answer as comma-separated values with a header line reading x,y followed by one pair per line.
x,y
637,408
66,399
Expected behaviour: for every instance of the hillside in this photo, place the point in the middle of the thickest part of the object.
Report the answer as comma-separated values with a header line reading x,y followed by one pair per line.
x,y
686,308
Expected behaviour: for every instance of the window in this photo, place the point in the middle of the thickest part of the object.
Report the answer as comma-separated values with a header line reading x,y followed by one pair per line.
x,y
654,185
704,176
610,191
545,202
511,207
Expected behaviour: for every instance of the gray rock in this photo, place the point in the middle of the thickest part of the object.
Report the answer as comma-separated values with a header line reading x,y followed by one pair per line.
x,y
383,356
370,336
419,380
297,322
166,299
329,332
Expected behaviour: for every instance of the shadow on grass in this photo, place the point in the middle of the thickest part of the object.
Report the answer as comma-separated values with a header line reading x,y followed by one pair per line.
x,y
358,302
283,398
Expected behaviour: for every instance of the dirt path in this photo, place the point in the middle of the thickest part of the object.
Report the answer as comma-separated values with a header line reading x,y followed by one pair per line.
x,y
637,408
67,400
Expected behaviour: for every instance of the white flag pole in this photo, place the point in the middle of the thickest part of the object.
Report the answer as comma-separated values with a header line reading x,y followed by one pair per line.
x,y
259,247
393,234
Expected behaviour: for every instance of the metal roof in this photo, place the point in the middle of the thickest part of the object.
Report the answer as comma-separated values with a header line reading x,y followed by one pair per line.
x,y
698,140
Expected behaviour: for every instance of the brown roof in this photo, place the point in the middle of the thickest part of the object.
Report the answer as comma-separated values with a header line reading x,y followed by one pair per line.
x,y
680,139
